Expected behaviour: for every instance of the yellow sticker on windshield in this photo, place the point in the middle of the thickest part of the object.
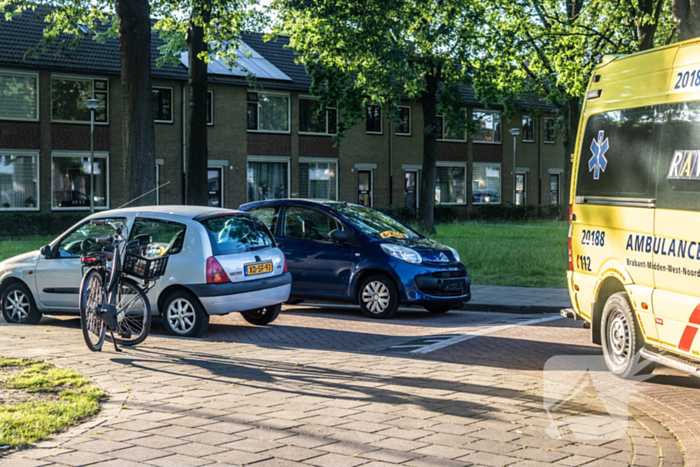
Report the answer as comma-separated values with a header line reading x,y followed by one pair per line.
x,y
390,234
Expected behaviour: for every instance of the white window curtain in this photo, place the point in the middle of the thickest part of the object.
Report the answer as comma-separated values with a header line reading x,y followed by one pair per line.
x,y
18,184
317,180
267,180
18,97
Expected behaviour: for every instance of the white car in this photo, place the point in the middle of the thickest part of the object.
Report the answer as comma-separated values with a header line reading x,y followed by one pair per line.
x,y
221,261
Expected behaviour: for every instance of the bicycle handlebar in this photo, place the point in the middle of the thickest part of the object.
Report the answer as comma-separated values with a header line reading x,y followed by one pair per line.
x,y
105,240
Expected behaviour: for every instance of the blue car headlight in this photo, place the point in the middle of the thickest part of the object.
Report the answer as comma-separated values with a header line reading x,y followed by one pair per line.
x,y
403,253
456,255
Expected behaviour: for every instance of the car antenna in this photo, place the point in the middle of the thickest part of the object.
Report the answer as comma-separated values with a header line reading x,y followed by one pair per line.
x,y
139,197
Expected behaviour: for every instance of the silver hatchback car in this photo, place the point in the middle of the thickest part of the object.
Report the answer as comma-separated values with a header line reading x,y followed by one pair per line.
x,y
221,261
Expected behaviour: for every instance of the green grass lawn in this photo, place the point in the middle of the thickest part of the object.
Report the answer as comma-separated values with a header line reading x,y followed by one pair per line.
x,y
41,399
17,246
521,254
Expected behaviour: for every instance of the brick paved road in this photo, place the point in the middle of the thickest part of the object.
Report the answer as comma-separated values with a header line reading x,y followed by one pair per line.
x,y
323,388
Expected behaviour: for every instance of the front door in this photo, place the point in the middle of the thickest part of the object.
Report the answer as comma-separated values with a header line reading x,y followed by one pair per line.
x,y
215,177
58,278
410,189
317,264
364,187
520,189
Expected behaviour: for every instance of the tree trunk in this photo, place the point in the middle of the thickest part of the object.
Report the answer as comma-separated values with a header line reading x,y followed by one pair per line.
x,y
139,134
686,16
571,111
426,211
197,151
647,29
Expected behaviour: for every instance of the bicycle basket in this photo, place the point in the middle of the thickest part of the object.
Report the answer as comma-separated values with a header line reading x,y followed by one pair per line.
x,y
144,268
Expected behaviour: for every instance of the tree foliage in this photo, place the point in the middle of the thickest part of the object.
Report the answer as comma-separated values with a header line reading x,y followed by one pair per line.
x,y
381,51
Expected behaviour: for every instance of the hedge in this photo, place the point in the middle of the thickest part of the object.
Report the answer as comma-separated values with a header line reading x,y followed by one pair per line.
x,y
20,224
494,212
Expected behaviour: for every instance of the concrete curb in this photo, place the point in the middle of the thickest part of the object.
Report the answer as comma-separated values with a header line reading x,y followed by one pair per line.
x,y
524,309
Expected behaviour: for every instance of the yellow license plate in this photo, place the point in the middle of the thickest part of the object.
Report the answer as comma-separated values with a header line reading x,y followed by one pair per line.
x,y
259,268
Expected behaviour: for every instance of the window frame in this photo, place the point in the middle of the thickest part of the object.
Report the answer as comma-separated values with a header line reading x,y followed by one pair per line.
x,y
310,208
500,184
307,97
210,111
277,159
38,96
381,122
82,78
410,122
172,104
544,129
81,154
496,112
442,138
268,93
532,123
322,160
25,152
466,178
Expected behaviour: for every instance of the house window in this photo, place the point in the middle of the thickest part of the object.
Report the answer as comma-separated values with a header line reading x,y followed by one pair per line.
x,y
210,108
19,188
318,180
528,129
447,134
71,181
19,96
550,135
404,128
68,96
486,184
267,179
450,183
489,127
374,119
268,112
162,105
314,120
554,188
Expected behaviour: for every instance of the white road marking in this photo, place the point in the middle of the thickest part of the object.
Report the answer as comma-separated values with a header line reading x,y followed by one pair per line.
x,y
480,332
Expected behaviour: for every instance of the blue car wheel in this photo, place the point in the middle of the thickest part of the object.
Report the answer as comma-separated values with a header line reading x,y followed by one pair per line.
x,y
378,297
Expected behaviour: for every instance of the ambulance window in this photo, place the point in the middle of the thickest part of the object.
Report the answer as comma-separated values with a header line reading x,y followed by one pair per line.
x,y
617,154
679,164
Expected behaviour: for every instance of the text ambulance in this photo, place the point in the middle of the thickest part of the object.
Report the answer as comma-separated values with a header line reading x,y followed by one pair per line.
x,y
634,242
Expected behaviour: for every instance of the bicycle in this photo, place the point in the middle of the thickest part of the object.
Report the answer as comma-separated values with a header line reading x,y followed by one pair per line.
x,y
111,301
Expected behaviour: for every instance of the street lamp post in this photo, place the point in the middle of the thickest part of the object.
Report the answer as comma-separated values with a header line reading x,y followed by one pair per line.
x,y
515,132
92,105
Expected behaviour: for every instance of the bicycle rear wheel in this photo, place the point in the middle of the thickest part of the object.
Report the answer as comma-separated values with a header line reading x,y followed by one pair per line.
x,y
133,313
91,299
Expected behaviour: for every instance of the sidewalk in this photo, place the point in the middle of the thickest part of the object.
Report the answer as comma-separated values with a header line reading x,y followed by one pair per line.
x,y
517,299
179,402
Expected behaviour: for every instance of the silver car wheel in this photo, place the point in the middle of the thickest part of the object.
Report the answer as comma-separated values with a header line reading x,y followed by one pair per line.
x,y
180,316
376,297
17,306
619,337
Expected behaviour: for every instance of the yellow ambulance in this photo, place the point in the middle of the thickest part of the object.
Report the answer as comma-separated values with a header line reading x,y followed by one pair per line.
x,y
634,238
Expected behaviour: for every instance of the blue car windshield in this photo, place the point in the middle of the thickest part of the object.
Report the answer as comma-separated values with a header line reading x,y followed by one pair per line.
x,y
237,234
374,223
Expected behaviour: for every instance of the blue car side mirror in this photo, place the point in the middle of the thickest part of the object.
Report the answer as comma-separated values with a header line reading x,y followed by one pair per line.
x,y
338,236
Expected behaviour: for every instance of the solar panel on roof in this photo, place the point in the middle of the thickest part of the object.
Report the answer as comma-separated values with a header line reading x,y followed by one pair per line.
x,y
247,59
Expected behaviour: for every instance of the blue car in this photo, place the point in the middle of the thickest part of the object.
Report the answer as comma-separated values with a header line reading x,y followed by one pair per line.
x,y
348,252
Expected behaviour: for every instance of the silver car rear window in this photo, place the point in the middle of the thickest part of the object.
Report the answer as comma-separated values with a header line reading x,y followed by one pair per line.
x,y
237,234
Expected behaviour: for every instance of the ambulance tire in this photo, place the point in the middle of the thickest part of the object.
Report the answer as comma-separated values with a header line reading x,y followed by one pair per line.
x,y
622,339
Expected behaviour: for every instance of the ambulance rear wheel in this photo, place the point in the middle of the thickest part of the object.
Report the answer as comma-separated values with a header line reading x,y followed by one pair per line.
x,y
622,339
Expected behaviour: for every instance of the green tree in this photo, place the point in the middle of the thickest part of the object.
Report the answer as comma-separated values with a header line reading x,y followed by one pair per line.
x,y
210,30
381,51
67,24
686,14
549,47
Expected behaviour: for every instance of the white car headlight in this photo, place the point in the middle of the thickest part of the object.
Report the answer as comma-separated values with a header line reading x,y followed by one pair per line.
x,y
454,252
403,253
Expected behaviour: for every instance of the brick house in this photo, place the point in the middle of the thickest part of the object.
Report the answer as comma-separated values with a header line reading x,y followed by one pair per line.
x,y
263,143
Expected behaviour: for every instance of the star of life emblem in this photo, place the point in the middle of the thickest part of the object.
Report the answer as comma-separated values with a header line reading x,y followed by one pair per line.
x,y
598,162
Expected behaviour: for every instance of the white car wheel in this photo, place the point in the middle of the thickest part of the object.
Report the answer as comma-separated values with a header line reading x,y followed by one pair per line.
x,y
181,317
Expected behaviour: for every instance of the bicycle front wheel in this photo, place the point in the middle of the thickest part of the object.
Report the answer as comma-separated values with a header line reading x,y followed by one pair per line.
x,y
91,299
133,313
